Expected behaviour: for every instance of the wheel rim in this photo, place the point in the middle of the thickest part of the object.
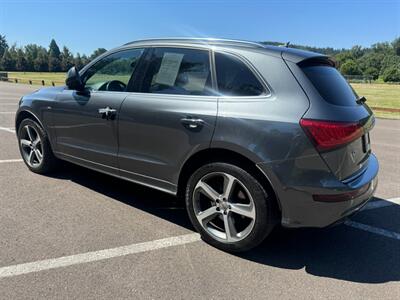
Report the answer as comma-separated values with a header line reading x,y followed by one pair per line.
x,y
224,207
31,146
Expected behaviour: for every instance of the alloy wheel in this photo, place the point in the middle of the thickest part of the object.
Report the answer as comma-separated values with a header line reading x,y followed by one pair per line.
x,y
224,207
31,146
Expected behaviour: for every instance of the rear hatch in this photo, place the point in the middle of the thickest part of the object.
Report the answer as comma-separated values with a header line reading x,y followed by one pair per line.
x,y
338,120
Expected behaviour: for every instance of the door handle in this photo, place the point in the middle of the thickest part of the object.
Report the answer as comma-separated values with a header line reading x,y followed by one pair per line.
x,y
107,113
192,123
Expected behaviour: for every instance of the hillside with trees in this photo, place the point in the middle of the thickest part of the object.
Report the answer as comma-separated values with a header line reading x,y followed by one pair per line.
x,y
35,58
381,61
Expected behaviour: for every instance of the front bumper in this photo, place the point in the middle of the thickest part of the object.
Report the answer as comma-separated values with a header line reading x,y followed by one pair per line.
x,y
295,185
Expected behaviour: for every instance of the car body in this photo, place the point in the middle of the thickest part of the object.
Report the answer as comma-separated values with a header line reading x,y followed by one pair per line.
x,y
304,140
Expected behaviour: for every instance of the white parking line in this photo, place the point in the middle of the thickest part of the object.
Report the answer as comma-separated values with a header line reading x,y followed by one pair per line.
x,y
381,203
372,229
10,160
374,205
6,103
7,129
7,112
65,261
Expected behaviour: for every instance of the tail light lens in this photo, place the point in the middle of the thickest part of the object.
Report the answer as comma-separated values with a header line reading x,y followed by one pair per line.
x,y
329,135
342,197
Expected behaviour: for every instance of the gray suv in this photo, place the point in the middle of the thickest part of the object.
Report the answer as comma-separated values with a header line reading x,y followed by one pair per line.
x,y
249,135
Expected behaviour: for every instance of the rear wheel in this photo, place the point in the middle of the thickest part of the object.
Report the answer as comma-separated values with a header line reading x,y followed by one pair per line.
x,y
229,207
35,147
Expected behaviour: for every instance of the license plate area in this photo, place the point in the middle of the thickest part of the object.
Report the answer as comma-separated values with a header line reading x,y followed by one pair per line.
x,y
366,143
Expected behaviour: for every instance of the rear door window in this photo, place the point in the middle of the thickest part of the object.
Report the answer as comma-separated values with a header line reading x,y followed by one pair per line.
x,y
178,71
330,84
234,78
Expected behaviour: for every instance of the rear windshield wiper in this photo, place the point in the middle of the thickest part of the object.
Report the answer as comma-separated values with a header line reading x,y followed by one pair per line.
x,y
361,100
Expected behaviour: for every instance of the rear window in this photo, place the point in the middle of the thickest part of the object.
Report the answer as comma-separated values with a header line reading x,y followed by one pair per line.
x,y
330,84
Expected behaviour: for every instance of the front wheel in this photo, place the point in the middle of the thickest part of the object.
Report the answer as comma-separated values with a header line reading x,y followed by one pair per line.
x,y
35,147
229,207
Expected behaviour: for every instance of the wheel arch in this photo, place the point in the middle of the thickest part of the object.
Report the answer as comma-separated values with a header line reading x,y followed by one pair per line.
x,y
222,155
25,114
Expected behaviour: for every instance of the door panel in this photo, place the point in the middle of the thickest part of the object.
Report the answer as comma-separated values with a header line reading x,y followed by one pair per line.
x,y
86,122
81,130
154,138
172,117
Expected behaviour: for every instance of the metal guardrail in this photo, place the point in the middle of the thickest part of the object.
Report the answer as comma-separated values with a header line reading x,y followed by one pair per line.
x,y
32,81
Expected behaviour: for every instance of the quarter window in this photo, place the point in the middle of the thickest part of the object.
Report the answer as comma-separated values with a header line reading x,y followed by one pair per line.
x,y
234,78
113,72
178,71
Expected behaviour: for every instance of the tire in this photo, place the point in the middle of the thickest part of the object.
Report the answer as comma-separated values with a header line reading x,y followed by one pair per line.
x,y
243,231
33,140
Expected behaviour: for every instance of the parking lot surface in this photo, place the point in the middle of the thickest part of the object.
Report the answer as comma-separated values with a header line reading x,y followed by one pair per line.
x,y
81,234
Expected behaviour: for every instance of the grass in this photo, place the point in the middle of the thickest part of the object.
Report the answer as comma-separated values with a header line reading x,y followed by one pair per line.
x,y
380,95
377,94
37,77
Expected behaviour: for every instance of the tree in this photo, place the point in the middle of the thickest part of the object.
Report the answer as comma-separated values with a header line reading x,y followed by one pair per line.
x,y
78,61
21,63
67,59
54,57
97,52
3,45
396,46
12,51
41,61
371,60
389,61
391,74
350,68
7,62
373,72
85,60
31,53
357,51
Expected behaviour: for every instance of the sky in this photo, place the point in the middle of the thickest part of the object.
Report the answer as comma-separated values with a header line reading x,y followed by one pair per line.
x,y
87,24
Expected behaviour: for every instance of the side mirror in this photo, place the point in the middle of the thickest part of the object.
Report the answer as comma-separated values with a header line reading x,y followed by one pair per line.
x,y
73,80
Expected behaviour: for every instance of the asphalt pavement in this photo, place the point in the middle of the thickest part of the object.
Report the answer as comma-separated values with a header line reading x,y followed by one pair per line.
x,y
82,234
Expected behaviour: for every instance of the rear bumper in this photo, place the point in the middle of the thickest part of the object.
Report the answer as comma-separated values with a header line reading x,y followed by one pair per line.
x,y
295,185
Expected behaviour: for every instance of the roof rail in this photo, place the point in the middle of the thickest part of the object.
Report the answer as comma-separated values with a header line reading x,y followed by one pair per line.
x,y
200,40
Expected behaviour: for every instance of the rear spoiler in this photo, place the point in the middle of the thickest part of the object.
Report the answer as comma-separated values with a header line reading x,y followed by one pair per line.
x,y
305,57
317,61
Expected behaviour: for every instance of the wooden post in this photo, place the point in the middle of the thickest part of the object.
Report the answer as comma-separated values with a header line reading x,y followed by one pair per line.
x,y
16,80
52,83
30,81
42,82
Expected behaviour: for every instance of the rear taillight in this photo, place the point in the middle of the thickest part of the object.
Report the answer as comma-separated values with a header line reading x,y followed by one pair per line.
x,y
328,135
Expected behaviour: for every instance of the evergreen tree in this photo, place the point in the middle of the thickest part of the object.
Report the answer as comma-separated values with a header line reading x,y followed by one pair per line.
x,y
21,63
3,45
7,62
85,60
41,61
31,53
67,59
54,57
78,61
